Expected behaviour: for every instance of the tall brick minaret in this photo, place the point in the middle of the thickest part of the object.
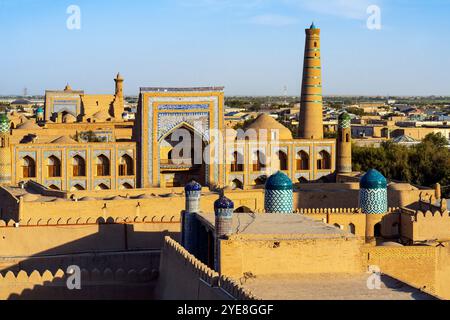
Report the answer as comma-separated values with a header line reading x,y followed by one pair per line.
x,y
311,109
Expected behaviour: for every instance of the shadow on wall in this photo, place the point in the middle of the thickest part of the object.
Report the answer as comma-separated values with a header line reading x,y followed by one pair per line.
x,y
134,255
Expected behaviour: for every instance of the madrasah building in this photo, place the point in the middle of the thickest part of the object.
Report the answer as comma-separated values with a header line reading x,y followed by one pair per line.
x,y
82,142
81,184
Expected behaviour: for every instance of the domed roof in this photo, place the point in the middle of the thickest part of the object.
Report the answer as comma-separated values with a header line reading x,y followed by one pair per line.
x,y
69,118
266,122
193,186
4,118
223,203
313,26
373,179
279,181
29,125
21,102
101,116
345,116
68,88
40,110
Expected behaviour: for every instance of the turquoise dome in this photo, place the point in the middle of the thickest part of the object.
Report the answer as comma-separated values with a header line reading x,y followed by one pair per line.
x,y
279,181
193,186
40,110
313,26
373,179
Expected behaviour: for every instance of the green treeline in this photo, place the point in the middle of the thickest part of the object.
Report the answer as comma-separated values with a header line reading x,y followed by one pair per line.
x,y
424,164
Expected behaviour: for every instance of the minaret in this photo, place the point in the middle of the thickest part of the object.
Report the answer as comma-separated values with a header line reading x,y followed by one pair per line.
x,y
311,109
344,144
5,150
118,101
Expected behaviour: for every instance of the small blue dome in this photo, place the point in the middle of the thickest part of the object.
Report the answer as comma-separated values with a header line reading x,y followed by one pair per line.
x,y
279,181
223,203
313,26
373,179
40,110
193,186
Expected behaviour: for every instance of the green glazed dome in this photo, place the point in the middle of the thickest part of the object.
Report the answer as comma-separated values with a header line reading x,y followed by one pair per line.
x,y
345,116
279,181
4,123
373,179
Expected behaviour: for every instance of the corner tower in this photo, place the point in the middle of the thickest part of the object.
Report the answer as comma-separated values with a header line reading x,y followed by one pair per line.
x,y
5,150
311,109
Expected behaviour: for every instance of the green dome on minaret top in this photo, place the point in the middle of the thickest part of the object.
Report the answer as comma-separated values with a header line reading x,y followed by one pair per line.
x,y
4,123
345,116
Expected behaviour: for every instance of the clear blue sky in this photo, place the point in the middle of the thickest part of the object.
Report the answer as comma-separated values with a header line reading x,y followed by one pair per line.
x,y
252,47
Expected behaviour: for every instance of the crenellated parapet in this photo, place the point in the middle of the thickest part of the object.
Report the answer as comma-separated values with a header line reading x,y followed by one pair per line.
x,y
177,253
208,275
339,211
69,221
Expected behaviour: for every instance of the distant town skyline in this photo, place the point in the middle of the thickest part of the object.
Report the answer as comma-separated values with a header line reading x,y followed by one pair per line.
x,y
252,47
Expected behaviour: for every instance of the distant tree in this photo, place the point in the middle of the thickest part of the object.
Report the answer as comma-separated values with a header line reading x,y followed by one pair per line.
x,y
356,111
425,164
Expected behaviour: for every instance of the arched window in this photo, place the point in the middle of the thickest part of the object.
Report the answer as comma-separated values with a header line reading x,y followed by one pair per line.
x,y
243,210
77,187
237,164
54,167
352,228
78,166
126,186
237,184
126,167
324,161
259,161
338,226
302,161
377,230
103,166
102,186
347,137
28,167
261,181
283,160
315,44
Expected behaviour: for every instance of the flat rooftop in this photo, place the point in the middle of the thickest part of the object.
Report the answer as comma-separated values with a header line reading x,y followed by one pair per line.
x,y
277,226
331,287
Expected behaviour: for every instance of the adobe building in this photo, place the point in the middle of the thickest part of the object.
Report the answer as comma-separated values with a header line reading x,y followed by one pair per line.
x,y
80,182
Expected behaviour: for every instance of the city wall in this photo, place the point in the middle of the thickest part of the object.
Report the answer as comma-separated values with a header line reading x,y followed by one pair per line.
x,y
183,277
310,256
423,267
120,284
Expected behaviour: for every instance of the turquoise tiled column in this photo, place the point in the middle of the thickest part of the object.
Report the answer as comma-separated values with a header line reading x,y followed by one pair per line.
x,y
373,198
279,194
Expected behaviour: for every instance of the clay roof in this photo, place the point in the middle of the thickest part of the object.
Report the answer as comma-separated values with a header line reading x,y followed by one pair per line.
x,y
64,140
29,125
101,115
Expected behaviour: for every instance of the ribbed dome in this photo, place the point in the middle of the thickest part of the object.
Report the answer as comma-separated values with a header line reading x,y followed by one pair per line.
x,y
4,123
193,186
266,122
279,181
223,203
373,179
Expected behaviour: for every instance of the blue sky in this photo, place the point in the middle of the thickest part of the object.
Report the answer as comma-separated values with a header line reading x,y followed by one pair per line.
x,y
252,47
